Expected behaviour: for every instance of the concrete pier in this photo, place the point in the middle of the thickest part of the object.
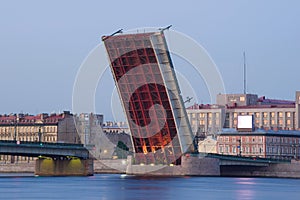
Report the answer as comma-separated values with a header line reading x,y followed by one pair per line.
x,y
190,166
64,167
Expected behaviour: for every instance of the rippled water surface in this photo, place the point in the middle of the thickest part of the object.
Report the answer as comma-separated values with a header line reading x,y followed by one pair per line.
x,y
112,186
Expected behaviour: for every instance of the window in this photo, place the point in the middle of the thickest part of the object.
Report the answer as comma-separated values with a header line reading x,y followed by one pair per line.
x,y
242,98
233,149
272,121
234,114
220,149
201,115
288,122
280,114
261,150
265,114
257,115
288,114
272,114
202,122
227,139
226,149
247,149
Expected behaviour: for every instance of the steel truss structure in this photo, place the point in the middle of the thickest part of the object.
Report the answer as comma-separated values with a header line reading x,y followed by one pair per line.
x,y
150,96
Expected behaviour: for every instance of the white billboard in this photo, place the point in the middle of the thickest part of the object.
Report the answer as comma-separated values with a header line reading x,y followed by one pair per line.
x,y
245,122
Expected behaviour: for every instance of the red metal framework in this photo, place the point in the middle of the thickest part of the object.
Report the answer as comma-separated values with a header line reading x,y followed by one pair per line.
x,y
140,84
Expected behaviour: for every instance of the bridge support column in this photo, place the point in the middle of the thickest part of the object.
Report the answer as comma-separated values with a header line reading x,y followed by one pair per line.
x,y
64,167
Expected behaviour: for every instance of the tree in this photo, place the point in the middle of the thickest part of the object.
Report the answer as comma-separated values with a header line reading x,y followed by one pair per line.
x,y
122,150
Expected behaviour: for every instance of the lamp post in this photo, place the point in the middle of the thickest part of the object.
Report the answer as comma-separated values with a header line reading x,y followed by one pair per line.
x,y
40,132
240,146
295,146
14,123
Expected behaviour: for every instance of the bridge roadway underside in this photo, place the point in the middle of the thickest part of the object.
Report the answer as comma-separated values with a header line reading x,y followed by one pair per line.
x,y
53,159
35,149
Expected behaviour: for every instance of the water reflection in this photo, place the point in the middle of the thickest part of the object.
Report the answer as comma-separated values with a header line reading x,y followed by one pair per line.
x,y
245,188
245,194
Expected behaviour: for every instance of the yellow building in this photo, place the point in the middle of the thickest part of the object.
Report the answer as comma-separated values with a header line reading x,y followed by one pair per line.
x,y
208,145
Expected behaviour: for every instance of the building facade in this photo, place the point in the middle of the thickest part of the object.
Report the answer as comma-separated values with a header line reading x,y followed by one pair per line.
x,y
85,124
281,144
116,127
38,128
268,113
208,145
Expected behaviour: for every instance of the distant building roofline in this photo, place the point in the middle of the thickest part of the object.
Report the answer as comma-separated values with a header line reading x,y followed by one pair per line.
x,y
269,132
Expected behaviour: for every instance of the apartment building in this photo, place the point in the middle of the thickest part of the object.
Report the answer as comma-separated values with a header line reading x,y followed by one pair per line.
x,y
280,144
268,113
35,128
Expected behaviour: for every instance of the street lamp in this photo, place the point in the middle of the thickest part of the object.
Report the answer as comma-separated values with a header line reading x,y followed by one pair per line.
x,y
240,146
295,146
14,123
40,132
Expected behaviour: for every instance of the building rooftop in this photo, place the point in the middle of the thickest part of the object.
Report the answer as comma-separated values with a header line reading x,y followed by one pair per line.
x,y
24,119
232,101
269,132
263,100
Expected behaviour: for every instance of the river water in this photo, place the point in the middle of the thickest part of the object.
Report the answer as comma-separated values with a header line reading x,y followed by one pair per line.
x,y
113,186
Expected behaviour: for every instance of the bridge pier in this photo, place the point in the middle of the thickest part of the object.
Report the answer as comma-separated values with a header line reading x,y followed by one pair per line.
x,y
64,167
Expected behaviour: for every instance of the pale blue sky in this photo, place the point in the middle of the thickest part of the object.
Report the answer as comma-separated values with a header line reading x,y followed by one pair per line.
x,y
43,44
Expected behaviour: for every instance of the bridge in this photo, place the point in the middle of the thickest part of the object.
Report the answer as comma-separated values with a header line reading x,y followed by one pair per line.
x,y
241,166
54,159
229,160
40,149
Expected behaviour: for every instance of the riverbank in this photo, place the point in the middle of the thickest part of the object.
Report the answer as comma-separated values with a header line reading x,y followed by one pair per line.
x,y
21,167
120,166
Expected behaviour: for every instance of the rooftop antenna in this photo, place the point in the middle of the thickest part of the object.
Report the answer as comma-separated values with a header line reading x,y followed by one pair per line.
x,y
244,56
